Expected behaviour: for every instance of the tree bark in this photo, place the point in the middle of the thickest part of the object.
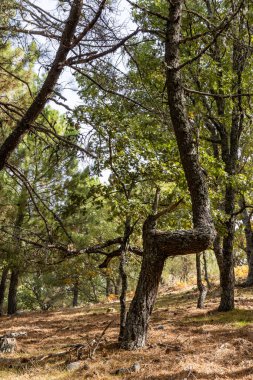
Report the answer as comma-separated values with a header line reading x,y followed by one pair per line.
x,y
227,277
201,287
13,289
75,294
109,286
143,302
158,245
3,288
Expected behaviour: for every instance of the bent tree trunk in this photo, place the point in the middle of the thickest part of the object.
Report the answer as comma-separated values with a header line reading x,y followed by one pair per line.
x,y
158,245
201,287
13,289
142,304
2,288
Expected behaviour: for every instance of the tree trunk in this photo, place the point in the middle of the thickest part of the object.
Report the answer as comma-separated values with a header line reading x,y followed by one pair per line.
x,y
109,286
158,245
246,218
201,287
12,295
143,302
227,277
75,294
117,286
206,271
2,288
16,267
123,276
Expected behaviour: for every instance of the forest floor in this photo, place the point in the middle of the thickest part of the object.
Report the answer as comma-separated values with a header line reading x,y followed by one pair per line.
x,y
184,343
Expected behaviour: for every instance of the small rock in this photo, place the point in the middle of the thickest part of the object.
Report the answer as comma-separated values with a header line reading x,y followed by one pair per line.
x,y
74,366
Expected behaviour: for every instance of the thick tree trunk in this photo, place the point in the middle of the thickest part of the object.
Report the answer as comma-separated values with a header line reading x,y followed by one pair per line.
x,y
143,302
158,245
13,289
225,260
246,218
227,277
123,276
2,288
201,287
75,294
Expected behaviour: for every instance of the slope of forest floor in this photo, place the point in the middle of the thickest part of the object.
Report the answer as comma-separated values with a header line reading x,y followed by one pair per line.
x,y
184,343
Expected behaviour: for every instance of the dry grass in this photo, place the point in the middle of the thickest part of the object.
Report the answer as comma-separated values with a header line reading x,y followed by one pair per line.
x,y
193,344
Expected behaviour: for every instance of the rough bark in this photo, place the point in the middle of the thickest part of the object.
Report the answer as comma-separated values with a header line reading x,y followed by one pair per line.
x,y
201,287
3,288
159,245
13,289
141,307
227,278
246,219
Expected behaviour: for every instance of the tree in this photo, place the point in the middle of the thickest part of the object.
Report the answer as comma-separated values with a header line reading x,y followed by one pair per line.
x,y
159,245
224,109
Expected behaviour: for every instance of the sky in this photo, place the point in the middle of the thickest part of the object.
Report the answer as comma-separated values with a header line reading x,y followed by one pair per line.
x,y
67,81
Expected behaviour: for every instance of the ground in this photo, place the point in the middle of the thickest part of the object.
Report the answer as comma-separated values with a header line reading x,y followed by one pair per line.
x,y
184,343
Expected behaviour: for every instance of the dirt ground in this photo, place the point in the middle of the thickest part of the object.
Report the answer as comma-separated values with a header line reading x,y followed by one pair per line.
x,y
184,343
